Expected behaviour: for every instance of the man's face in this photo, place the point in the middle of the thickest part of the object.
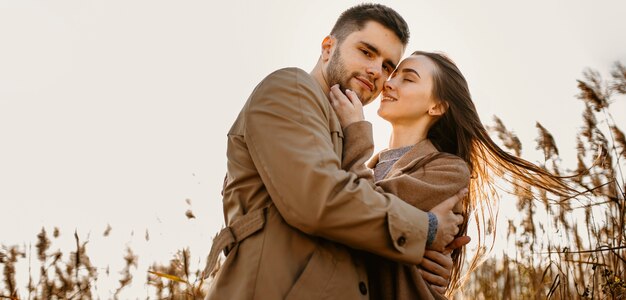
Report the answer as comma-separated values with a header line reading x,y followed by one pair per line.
x,y
364,61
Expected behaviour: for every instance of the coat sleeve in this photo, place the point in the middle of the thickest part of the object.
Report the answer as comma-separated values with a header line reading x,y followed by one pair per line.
x,y
431,184
358,147
288,135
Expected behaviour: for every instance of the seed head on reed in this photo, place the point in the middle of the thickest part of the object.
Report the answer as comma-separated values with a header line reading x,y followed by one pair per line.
x,y
508,138
107,230
620,141
619,78
43,243
545,143
9,260
592,90
130,260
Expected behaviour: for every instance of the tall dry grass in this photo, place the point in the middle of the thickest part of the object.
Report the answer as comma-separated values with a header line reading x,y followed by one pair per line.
x,y
72,276
587,262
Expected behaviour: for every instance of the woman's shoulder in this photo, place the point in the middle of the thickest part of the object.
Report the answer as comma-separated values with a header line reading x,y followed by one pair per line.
x,y
450,160
442,163
447,158
426,153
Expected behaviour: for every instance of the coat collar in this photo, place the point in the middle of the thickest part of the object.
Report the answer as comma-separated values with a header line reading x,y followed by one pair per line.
x,y
409,159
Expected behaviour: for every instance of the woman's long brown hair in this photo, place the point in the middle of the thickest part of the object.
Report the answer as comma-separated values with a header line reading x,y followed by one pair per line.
x,y
460,132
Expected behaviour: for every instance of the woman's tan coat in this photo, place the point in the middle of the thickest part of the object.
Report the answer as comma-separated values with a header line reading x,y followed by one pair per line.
x,y
421,185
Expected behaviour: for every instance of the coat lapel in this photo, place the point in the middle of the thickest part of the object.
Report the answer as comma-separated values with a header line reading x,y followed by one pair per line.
x,y
408,160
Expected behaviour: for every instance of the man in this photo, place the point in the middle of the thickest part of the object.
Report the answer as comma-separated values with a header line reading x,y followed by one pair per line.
x,y
292,213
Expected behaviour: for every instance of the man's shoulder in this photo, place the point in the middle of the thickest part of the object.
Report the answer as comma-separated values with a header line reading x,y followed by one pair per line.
x,y
289,71
290,83
289,75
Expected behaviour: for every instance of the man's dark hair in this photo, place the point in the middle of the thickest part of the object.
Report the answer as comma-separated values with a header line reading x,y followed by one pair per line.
x,y
354,19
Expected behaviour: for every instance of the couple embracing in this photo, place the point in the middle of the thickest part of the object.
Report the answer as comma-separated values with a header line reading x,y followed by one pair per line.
x,y
307,218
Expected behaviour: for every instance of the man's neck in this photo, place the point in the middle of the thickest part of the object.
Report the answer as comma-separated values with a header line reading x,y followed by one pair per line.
x,y
318,74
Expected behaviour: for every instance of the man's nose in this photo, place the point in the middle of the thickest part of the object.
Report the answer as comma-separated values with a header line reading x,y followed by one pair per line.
x,y
375,70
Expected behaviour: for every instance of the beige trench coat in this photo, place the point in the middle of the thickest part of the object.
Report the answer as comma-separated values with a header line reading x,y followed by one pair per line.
x,y
418,182
284,161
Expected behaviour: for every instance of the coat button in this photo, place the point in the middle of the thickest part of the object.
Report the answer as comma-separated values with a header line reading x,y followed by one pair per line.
x,y
401,241
362,288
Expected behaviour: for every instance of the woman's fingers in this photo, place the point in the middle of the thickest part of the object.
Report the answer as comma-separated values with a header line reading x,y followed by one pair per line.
x,y
337,95
354,99
439,289
435,268
347,106
433,279
442,260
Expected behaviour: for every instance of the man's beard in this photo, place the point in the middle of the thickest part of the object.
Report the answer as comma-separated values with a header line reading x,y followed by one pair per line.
x,y
336,74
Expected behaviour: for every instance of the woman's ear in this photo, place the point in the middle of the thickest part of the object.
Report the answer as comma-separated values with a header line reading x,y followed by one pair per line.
x,y
328,45
438,109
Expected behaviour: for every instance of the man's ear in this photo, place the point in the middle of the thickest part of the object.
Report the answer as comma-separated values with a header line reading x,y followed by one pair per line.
x,y
328,46
438,109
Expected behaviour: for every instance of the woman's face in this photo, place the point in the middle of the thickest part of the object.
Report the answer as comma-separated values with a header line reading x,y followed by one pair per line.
x,y
407,95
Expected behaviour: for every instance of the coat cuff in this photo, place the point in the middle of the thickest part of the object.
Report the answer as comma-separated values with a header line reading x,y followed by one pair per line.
x,y
432,228
408,229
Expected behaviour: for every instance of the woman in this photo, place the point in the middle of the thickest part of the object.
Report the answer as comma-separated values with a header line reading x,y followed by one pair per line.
x,y
437,146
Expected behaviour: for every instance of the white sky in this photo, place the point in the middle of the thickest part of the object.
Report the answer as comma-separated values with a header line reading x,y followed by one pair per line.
x,y
115,112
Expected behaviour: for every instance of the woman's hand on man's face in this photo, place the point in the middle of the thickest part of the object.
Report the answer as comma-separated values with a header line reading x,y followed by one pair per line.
x,y
347,106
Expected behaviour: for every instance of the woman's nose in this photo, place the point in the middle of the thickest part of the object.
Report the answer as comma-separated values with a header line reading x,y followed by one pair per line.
x,y
388,85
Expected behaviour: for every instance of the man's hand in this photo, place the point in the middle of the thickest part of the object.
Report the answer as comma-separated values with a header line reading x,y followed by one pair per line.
x,y
447,221
436,267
